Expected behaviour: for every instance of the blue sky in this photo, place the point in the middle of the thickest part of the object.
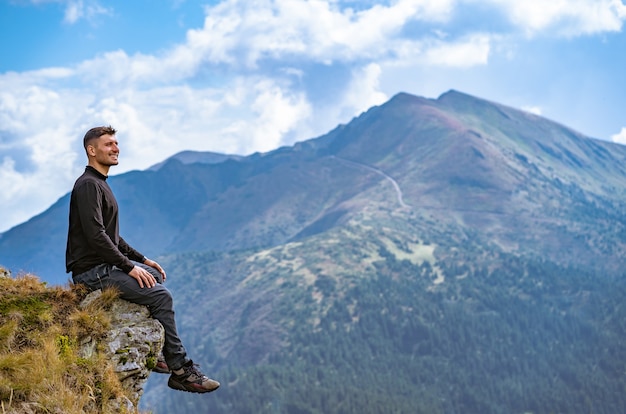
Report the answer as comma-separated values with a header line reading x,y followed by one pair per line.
x,y
240,76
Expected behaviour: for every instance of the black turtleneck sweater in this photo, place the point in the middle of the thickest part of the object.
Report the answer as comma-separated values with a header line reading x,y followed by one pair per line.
x,y
93,236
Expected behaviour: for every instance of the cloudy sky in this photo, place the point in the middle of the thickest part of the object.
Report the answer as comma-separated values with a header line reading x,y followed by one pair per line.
x,y
240,76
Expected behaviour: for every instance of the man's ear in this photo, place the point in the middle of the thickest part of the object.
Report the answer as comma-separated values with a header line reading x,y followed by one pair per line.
x,y
91,150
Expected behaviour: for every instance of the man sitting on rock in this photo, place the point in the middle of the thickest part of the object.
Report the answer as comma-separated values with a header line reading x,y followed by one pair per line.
x,y
98,257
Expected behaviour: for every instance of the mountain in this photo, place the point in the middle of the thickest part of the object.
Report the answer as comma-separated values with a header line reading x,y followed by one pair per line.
x,y
520,181
439,256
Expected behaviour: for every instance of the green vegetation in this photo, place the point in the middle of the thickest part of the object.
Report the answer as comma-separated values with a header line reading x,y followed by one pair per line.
x,y
41,370
347,324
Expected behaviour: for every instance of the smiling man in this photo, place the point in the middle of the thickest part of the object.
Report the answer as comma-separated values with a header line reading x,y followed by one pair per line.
x,y
98,257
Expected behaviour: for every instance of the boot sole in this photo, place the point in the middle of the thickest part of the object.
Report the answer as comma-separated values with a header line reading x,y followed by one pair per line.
x,y
182,387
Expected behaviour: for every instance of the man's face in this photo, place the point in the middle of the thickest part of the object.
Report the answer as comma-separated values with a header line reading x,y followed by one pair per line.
x,y
105,150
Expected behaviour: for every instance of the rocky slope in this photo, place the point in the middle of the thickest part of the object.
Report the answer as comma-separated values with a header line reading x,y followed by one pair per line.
x,y
59,354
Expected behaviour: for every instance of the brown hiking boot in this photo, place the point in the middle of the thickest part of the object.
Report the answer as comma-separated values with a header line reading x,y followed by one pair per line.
x,y
192,380
161,366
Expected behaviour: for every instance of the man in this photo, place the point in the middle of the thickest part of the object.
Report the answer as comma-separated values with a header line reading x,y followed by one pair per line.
x,y
98,257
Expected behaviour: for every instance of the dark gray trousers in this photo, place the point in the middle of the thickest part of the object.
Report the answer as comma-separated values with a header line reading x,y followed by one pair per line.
x,y
158,300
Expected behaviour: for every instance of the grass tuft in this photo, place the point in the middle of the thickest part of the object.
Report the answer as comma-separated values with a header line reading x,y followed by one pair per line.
x,y
41,370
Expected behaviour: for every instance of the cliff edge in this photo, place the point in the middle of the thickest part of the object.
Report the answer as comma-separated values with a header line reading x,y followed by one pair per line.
x,y
65,351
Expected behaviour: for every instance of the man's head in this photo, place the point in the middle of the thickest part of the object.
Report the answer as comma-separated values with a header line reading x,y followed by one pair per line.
x,y
101,148
97,132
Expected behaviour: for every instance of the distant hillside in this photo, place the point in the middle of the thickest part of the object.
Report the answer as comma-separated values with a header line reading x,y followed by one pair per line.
x,y
430,256
520,181
373,317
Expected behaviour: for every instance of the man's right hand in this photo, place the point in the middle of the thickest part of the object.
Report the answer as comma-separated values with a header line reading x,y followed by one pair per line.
x,y
143,277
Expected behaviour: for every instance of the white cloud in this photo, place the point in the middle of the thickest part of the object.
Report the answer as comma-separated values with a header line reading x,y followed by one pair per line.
x,y
620,137
237,31
362,93
76,10
242,82
468,52
38,128
567,17
536,110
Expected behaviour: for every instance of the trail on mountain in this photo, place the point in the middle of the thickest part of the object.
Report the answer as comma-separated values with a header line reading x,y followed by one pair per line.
x,y
395,184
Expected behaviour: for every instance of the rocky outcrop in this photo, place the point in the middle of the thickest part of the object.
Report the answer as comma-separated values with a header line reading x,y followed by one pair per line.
x,y
132,344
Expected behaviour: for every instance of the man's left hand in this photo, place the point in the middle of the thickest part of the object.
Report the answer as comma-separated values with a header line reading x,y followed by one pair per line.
x,y
152,263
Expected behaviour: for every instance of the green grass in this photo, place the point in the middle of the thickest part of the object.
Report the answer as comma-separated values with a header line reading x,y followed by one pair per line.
x,y
41,369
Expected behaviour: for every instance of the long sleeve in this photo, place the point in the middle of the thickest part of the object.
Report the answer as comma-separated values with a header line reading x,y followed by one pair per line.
x,y
93,235
89,197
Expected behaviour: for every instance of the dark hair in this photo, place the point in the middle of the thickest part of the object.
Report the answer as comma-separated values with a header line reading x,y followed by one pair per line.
x,y
97,132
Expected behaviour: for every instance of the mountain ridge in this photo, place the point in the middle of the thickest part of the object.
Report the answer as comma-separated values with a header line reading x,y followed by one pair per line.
x,y
461,154
430,256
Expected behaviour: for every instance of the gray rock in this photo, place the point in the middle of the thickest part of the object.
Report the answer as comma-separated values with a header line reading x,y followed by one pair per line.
x,y
132,345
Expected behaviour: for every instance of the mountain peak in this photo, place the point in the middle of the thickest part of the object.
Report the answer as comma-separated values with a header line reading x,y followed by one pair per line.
x,y
454,94
448,97
464,160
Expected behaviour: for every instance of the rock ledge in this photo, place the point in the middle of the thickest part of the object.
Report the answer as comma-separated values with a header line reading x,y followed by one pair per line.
x,y
132,344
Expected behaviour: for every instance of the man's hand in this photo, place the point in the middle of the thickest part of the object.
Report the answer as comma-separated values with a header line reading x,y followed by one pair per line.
x,y
143,277
152,263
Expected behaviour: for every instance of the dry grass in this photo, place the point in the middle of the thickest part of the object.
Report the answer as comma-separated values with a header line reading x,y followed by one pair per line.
x,y
41,370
